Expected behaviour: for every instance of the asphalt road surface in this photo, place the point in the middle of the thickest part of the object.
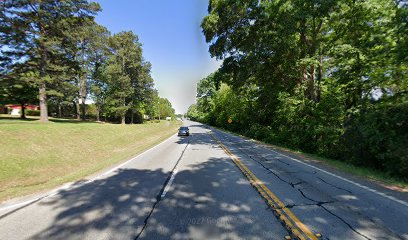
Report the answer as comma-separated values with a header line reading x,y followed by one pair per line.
x,y
211,185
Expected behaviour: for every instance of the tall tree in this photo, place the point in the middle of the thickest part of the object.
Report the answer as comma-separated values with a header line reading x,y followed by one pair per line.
x,y
143,86
312,74
38,40
122,70
91,40
165,108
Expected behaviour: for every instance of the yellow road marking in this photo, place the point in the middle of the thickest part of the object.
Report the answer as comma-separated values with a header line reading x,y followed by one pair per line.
x,y
292,223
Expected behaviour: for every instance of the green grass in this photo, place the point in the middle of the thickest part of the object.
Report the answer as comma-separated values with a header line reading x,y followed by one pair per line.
x,y
37,156
377,176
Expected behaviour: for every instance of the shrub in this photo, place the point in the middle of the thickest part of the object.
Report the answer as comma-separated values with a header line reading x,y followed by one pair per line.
x,y
377,137
32,112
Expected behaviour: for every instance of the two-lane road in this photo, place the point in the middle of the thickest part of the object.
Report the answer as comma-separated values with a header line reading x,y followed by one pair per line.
x,y
189,188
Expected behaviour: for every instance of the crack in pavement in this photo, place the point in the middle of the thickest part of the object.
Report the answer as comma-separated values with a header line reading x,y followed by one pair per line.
x,y
303,204
259,159
345,222
264,158
340,188
315,202
294,172
159,196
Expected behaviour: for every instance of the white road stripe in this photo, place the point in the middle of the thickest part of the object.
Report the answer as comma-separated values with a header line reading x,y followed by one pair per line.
x,y
347,180
166,189
342,178
69,186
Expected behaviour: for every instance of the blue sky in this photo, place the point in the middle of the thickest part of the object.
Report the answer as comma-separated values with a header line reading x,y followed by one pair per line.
x,y
172,41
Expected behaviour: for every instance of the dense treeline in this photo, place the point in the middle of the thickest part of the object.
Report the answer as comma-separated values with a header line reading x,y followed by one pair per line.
x,y
326,77
54,53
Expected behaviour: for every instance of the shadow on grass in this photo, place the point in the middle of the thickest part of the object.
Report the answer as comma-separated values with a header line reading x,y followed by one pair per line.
x,y
10,119
66,120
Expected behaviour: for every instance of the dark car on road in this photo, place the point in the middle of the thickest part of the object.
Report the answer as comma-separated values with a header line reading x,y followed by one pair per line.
x,y
184,131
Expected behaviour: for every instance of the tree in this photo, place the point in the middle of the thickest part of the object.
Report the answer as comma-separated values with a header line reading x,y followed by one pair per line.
x,y
122,70
310,74
151,103
15,90
37,40
165,108
91,40
97,58
193,113
142,85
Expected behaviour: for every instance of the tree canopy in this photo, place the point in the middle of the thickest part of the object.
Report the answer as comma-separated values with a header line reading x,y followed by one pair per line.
x,y
326,77
54,53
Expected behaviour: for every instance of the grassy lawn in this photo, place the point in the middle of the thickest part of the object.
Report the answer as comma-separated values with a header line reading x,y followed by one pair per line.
x,y
37,156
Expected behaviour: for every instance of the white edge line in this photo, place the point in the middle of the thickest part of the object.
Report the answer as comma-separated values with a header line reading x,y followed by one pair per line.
x,y
347,180
69,185
339,177
166,189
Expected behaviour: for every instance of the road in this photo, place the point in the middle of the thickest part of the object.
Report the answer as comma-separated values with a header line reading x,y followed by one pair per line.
x,y
211,185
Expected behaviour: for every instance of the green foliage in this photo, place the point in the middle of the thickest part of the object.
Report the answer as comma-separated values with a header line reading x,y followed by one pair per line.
x,y
165,109
193,113
326,77
33,112
37,36
91,110
307,125
378,137
56,54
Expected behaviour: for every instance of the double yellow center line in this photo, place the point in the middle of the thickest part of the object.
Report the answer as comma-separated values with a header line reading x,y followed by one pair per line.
x,y
291,222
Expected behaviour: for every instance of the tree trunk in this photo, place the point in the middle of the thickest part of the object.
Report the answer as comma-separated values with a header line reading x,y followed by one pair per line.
x,y
77,110
132,117
43,68
97,112
311,84
43,103
59,110
82,95
23,116
123,98
319,78
83,108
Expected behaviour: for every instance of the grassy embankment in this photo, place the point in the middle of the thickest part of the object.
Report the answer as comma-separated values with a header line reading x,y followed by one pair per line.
x,y
37,156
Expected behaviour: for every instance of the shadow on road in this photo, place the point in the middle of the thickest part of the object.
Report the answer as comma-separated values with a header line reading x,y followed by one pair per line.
x,y
119,205
208,199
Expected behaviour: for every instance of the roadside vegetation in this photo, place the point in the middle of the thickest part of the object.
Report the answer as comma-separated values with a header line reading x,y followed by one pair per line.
x,y
322,77
54,54
36,156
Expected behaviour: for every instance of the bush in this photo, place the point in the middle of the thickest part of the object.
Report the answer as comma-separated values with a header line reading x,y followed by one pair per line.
x,y
313,127
32,112
377,137
259,132
91,110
